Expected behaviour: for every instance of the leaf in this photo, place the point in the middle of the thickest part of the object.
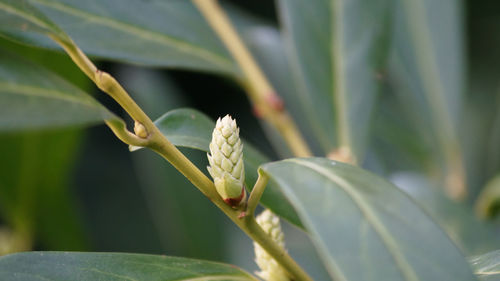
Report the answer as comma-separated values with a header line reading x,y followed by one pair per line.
x,y
74,266
429,48
19,15
457,219
487,266
427,69
153,33
336,49
56,62
363,227
193,129
32,97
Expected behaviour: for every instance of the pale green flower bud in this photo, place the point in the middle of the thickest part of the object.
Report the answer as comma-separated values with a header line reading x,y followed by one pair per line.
x,y
270,269
226,161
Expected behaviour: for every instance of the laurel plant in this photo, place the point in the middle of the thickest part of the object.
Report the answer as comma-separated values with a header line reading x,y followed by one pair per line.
x,y
362,101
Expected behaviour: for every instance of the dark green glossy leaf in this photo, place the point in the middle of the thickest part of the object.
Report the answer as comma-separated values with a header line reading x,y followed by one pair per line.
x,y
57,62
193,129
155,33
336,49
32,97
457,219
20,15
363,227
487,266
61,266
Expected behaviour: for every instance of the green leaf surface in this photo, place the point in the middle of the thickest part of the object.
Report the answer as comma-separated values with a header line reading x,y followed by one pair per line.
x,y
429,55
20,15
32,97
487,266
336,49
363,227
193,129
153,33
470,234
427,69
74,266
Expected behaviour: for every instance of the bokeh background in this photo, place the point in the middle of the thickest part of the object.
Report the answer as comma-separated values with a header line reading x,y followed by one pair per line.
x,y
81,189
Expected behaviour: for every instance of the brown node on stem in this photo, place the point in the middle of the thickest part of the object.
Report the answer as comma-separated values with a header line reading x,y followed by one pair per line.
x,y
342,154
275,102
238,201
271,102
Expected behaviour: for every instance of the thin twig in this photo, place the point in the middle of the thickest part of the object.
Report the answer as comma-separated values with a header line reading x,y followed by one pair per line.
x,y
256,194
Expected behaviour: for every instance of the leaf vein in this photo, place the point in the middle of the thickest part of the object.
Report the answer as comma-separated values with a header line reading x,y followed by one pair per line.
x,y
370,216
180,46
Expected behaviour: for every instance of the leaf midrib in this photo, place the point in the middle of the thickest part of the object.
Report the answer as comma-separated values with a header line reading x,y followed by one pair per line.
x,y
12,10
169,41
369,215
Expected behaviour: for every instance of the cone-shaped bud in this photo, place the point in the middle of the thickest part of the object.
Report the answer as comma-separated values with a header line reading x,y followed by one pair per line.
x,y
270,269
226,161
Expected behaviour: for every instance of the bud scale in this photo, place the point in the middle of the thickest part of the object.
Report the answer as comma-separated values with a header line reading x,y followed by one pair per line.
x,y
270,269
226,161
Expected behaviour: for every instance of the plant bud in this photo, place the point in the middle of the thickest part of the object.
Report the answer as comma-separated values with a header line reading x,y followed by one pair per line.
x,y
270,269
140,130
226,161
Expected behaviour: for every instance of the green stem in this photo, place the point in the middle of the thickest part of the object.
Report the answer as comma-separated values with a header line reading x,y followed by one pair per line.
x,y
119,129
256,194
156,141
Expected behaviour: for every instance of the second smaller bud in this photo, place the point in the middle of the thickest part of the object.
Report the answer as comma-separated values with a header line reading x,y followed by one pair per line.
x,y
226,161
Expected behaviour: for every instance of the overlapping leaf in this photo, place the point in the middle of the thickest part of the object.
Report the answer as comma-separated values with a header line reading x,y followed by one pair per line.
x,y
363,227
67,266
155,33
336,49
32,97
470,234
427,68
